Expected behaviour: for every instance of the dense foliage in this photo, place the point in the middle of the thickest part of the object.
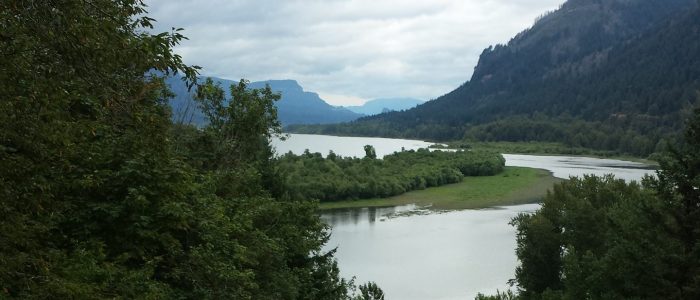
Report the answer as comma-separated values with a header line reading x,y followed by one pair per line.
x,y
310,176
533,148
103,197
609,75
603,238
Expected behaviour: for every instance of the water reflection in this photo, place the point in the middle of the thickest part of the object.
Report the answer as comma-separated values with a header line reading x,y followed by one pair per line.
x,y
567,166
365,215
448,255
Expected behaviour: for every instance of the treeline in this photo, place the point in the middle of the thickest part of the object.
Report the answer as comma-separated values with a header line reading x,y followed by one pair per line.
x,y
617,92
334,178
614,135
536,148
102,197
632,135
603,238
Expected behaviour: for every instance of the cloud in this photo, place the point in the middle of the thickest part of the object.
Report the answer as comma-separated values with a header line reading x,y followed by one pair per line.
x,y
346,49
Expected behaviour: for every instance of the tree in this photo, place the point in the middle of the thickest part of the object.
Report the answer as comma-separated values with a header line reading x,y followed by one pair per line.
x,y
103,197
370,291
602,238
242,124
83,135
539,251
507,295
678,187
370,152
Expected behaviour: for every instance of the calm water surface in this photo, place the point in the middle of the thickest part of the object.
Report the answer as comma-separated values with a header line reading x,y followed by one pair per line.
x,y
567,166
343,146
449,255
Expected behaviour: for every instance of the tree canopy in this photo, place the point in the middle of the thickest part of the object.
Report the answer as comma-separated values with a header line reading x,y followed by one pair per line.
x,y
334,178
603,238
103,197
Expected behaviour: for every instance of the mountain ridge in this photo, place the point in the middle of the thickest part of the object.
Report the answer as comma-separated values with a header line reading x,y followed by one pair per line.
x,y
595,81
296,105
382,105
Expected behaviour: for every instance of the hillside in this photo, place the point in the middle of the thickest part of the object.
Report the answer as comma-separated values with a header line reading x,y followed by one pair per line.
x,y
382,105
612,74
295,107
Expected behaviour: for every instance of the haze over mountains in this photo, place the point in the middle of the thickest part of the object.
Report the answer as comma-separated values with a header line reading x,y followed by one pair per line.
x,y
382,105
301,107
295,107
606,74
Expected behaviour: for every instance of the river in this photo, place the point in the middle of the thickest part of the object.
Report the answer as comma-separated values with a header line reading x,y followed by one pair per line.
x,y
448,255
344,146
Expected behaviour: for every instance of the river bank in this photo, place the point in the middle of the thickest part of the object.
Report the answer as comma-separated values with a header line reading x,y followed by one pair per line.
x,y
545,149
515,185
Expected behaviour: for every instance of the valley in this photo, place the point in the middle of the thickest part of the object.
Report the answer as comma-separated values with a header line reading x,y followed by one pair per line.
x,y
284,149
610,76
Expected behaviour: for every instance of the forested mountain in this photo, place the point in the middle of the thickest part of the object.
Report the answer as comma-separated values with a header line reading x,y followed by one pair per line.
x,y
382,105
606,74
296,106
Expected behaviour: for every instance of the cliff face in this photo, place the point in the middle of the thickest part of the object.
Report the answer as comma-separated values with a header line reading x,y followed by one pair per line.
x,y
574,38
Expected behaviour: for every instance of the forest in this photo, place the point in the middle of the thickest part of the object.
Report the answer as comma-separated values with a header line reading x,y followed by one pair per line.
x,y
604,238
311,176
103,197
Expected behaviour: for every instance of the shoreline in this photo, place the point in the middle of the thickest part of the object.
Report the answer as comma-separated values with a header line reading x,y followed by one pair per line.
x,y
513,186
524,148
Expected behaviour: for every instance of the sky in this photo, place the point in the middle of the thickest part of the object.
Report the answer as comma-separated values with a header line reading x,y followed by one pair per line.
x,y
348,51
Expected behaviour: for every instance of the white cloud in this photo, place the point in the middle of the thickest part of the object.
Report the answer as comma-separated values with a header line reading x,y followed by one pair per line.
x,y
346,49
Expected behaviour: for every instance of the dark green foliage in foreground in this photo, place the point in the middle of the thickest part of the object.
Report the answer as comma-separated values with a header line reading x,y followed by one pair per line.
x,y
101,196
507,295
310,176
602,238
370,291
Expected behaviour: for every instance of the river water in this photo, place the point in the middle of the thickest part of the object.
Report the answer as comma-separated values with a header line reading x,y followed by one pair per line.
x,y
415,254
343,146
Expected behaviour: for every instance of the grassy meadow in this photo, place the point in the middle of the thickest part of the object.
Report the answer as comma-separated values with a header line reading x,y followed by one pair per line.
x,y
515,185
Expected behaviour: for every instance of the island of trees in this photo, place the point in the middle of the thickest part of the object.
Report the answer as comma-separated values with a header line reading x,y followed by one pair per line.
x,y
334,178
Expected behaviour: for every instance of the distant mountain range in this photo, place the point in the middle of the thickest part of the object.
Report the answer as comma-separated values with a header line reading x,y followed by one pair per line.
x,y
382,105
295,107
618,75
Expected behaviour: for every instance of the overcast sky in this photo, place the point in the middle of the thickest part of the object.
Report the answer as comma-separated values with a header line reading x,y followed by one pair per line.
x,y
348,51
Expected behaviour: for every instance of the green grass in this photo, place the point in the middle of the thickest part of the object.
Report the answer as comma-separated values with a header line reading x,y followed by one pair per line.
x,y
515,185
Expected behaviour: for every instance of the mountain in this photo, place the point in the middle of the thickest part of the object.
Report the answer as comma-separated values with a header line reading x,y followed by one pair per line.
x,y
300,107
615,75
382,105
295,107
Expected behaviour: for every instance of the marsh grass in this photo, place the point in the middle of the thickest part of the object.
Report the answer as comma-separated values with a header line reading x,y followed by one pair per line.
x,y
515,185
